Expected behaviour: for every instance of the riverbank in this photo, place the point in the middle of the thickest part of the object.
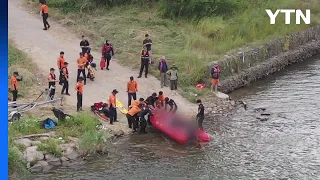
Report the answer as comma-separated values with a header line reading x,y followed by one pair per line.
x,y
33,148
183,41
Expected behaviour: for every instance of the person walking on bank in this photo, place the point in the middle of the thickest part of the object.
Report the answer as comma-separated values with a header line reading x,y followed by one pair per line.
x,y
84,44
14,86
148,43
112,106
52,83
61,60
64,79
82,61
107,52
45,14
173,77
200,115
132,89
79,89
163,68
145,61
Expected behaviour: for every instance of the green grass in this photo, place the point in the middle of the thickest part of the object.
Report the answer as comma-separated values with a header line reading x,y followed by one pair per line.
x,y
50,146
192,45
19,61
16,164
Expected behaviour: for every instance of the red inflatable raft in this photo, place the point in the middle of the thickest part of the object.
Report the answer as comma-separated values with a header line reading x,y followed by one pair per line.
x,y
175,127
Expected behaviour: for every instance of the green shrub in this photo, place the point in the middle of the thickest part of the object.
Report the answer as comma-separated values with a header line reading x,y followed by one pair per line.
x,y
50,146
91,142
25,127
16,164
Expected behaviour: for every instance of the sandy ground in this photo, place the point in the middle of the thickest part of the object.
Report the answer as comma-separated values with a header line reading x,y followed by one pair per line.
x,y
25,29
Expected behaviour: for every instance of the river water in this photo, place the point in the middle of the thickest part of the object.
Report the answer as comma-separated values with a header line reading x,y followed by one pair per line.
x,y
286,146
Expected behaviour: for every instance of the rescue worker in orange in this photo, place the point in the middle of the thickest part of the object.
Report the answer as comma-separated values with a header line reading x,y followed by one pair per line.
x,y
79,89
61,60
52,83
14,85
132,89
112,106
45,14
82,61
132,114
161,99
64,79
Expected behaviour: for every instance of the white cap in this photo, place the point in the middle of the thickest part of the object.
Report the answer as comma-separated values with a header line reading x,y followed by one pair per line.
x,y
163,57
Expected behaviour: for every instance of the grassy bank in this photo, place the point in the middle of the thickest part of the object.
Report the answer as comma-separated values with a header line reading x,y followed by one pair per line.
x,y
83,126
191,41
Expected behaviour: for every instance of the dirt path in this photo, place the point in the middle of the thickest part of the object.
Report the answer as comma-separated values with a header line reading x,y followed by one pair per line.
x,y
25,29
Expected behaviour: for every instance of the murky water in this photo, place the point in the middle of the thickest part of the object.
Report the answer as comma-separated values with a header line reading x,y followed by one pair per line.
x,y
286,146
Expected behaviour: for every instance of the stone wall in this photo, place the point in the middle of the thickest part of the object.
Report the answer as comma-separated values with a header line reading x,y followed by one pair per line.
x,y
250,64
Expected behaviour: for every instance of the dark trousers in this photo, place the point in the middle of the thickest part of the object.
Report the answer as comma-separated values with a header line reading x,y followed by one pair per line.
x,y
149,120
14,95
45,20
143,124
130,120
107,57
52,92
130,97
65,87
112,115
83,72
79,101
200,121
173,109
146,66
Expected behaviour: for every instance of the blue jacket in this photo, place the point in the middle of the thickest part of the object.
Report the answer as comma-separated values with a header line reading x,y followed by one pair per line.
x,y
163,67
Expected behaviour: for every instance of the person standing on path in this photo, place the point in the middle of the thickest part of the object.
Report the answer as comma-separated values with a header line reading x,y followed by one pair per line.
x,y
132,89
144,62
61,60
84,44
45,14
14,86
200,115
82,61
107,52
52,83
112,106
64,79
148,43
163,68
215,75
79,89
173,76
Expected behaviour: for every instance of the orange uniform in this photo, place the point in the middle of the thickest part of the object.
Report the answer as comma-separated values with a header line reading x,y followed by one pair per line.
x,y
79,87
161,99
134,110
60,62
81,62
112,101
137,103
14,83
44,9
132,86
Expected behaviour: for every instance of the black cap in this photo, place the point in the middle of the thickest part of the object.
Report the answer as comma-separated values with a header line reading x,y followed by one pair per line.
x,y
65,63
154,94
198,101
115,91
147,35
61,52
131,78
160,93
52,69
81,54
166,99
80,79
16,73
141,99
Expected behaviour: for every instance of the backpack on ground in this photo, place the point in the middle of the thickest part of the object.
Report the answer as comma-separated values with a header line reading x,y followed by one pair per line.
x,y
48,124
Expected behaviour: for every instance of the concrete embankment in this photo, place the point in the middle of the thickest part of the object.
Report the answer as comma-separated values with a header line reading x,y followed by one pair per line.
x,y
250,64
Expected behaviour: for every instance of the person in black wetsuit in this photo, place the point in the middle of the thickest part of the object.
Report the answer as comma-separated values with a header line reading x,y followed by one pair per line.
x,y
200,115
151,102
143,123
171,103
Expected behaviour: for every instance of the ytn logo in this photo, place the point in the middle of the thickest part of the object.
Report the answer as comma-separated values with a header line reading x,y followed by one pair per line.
x,y
287,12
